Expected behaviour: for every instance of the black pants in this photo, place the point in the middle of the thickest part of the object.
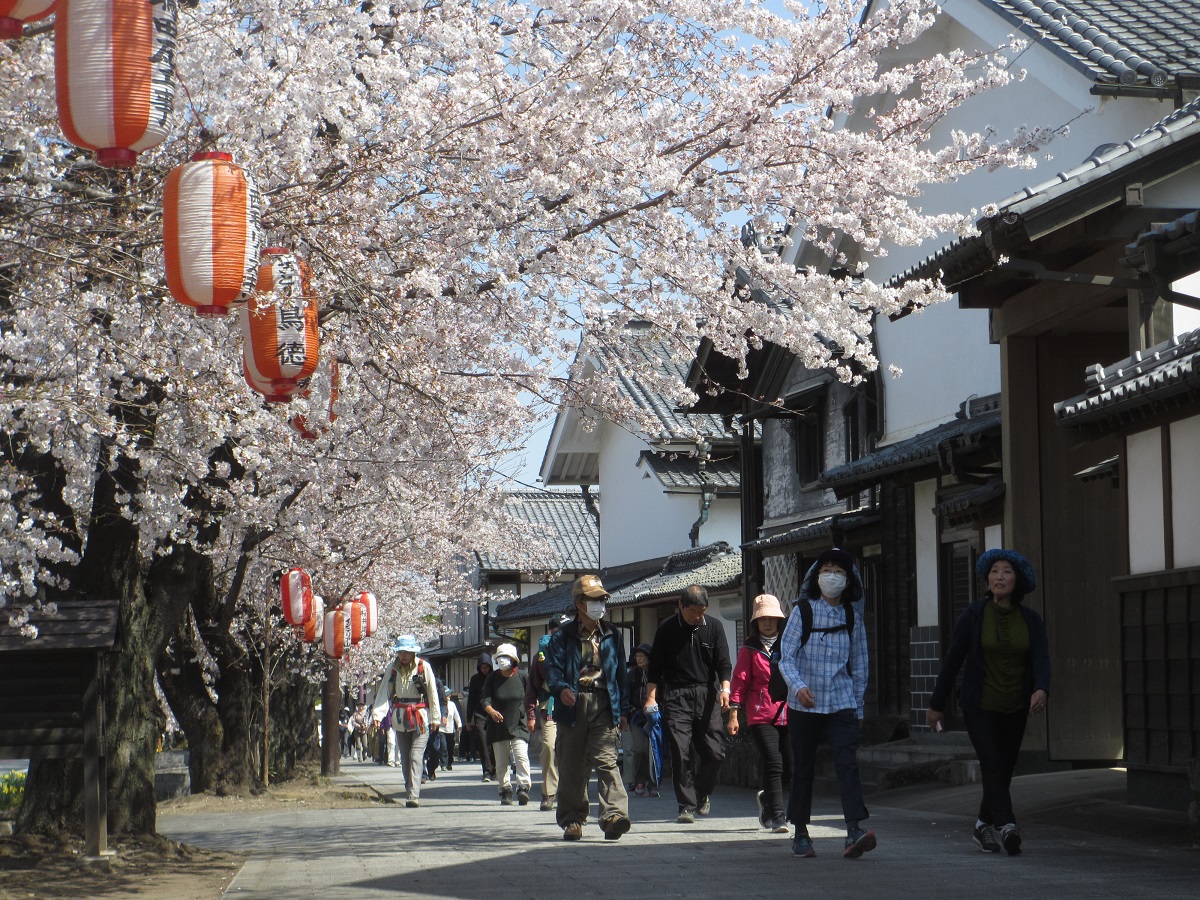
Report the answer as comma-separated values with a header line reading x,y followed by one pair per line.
x,y
433,753
693,720
776,756
485,749
448,756
996,738
805,730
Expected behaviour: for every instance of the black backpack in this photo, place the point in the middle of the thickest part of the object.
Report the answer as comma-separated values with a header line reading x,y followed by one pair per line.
x,y
806,619
777,688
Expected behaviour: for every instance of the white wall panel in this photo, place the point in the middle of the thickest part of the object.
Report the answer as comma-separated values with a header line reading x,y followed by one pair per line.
x,y
1185,491
1144,487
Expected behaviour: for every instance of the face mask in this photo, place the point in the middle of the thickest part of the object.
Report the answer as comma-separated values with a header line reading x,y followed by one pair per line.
x,y
504,663
832,583
595,609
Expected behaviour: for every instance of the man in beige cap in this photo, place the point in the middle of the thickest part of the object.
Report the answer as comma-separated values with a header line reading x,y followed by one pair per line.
x,y
585,673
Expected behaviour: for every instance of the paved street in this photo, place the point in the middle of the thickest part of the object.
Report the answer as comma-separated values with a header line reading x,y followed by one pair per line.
x,y
1081,841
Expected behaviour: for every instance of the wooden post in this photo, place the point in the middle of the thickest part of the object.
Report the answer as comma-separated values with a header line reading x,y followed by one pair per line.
x,y
95,784
266,699
331,706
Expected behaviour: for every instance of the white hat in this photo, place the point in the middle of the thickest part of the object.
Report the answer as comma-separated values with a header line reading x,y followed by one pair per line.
x,y
507,650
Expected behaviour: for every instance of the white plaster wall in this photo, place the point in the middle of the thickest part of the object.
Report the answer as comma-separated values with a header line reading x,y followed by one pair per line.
x,y
945,352
1185,491
993,537
946,357
1144,488
924,499
637,520
727,610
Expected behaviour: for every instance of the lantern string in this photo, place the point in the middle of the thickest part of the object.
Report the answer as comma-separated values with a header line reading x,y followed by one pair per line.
x,y
206,136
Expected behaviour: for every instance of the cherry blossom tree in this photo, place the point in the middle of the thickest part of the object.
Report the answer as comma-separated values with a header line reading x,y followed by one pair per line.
x,y
477,185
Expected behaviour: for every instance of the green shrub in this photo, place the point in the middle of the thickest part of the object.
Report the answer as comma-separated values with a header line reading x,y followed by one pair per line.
x,y
12,787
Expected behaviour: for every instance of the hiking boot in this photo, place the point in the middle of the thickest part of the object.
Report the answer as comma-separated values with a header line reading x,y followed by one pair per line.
x,y
802,846
1010,838
704,808
762,810
506,798
547,803
412,804
572,831
858,842
614,827
778,825
986,838
523,797
687,816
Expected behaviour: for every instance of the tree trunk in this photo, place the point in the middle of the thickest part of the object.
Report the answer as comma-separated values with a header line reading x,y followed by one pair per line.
x,y
182,680
112,567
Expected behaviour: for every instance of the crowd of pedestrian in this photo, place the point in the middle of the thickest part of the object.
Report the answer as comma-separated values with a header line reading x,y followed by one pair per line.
x,y
799,678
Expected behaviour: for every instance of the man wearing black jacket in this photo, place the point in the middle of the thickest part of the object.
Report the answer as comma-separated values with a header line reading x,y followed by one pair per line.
x,y
689,664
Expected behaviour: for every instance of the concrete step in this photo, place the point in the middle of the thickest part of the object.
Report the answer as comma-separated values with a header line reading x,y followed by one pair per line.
x,y
896,764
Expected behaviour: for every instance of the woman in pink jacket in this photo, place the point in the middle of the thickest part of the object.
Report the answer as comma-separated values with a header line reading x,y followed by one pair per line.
x,y
750,687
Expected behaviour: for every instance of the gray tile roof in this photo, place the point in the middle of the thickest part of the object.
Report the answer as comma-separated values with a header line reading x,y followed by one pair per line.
x,y
1127,42
716,567
639,343
680,473
1166,232
562,521
972,253
1165,376
1106,469
818,530
922,450
1131,42
558,598
966,505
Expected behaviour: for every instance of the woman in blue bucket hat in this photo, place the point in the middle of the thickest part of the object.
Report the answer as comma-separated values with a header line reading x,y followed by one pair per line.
x,y
408,692
1001,646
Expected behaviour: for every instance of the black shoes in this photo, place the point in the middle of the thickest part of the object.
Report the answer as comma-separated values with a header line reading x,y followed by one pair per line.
x,y
986,838
1010,838
858,842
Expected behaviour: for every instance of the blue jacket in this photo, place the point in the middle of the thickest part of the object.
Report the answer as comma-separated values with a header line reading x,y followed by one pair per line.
x,y
562,669
966,645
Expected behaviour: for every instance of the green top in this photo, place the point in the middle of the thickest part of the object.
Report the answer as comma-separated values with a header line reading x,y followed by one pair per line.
x,y
506,695
1005,641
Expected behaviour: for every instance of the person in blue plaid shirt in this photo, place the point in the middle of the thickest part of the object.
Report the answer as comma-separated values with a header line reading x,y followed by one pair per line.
x,y
826,674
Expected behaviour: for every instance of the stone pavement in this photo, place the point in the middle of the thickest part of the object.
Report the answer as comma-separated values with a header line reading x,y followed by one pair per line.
x,y
1081,841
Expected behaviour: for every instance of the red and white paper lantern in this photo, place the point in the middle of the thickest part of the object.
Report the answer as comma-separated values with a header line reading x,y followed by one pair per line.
x,y
356,613
296,593
279,323
367,599
337,634
15,13
314,628
212,236
114,75
270,393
